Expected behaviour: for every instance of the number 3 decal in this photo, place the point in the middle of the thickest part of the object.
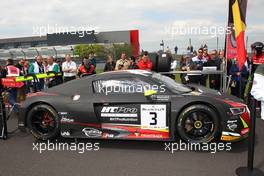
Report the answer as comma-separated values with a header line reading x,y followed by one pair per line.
x,y
153,116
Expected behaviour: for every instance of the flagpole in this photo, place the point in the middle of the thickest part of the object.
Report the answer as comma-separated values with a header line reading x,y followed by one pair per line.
x,y
224,77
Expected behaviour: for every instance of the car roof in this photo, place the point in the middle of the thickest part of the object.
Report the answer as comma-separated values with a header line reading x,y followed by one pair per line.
x,y
86,82
124,73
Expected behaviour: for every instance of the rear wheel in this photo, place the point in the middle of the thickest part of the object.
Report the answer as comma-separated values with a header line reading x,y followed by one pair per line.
x,y
43,122
198,124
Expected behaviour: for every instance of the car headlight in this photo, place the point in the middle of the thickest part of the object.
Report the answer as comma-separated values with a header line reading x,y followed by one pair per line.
x,y
238,110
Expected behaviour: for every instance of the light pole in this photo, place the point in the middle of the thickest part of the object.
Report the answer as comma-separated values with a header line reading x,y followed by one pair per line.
x,y
162,45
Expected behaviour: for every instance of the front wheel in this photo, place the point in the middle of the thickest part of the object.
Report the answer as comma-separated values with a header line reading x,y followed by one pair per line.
x,y
43,122
198,124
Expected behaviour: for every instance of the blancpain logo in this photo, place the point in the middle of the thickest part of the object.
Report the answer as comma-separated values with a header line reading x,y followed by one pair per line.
x,y
153,109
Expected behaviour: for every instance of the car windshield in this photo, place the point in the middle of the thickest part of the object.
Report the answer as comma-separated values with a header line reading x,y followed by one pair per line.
x,y
171,84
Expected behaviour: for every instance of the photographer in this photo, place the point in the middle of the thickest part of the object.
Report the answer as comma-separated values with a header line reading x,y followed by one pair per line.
x,y
123,63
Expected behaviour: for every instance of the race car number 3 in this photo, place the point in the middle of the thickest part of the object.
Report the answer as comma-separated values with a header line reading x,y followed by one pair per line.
x,y
153,116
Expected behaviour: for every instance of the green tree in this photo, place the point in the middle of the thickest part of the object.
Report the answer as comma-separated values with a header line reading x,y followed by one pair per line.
x,y
118,49
83,50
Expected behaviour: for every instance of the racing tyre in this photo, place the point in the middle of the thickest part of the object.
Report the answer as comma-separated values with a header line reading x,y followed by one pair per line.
x,y
43,122
198,124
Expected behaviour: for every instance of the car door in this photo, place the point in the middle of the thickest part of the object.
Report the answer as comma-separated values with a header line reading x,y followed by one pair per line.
x,y
78,118
126,113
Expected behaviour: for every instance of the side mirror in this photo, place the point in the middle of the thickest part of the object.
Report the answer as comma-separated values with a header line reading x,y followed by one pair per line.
x,y
148,94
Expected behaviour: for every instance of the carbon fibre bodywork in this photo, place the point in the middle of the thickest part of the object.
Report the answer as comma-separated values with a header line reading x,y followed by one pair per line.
x,y
85,113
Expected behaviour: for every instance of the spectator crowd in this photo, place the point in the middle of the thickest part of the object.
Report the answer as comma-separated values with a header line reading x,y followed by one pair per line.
x,y
237,78
68,70
64,71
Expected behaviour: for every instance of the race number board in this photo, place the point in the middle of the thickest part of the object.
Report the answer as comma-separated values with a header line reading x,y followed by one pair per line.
x,y
153,116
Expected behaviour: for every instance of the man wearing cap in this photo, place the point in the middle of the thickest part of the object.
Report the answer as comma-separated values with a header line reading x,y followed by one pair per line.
x,y
258,55
257,60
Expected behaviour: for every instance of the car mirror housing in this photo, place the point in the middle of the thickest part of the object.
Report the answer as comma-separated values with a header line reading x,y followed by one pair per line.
x,y
148,93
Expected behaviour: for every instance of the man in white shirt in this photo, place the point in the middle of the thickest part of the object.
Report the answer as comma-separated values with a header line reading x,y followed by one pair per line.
x,y
52,67
257,88
69,69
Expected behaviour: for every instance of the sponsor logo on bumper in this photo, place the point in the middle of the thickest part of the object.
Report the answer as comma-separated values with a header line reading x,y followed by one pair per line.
x,y
92,132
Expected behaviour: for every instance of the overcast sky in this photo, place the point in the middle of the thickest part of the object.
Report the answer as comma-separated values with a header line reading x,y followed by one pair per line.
x,y
155,19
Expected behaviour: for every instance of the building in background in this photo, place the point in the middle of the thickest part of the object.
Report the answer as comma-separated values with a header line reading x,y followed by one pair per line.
x,y
61,43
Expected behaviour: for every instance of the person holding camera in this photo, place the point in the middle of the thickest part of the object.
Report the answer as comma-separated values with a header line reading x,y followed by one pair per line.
x,y
123,63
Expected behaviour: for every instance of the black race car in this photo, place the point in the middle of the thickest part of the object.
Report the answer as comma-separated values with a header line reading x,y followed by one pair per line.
x,y
134,104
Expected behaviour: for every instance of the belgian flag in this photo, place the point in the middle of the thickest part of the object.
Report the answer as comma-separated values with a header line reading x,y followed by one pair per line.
x,y
237,20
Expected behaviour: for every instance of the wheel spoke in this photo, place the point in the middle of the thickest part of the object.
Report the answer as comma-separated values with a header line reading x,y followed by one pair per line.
x,y
189,122
198,125
43,122
188,127
194,116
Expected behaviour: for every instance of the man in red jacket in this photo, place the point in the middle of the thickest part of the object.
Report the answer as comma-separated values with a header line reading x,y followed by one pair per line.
x,y
145,63
86,69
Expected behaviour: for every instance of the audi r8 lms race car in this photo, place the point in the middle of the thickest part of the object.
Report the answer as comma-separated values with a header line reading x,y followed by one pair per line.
x,y
134,104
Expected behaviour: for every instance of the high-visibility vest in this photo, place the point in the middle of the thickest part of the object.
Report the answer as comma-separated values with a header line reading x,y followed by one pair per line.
x,y
12,71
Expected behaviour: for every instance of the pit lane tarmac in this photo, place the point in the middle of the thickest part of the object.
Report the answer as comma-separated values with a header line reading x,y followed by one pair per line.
x,y
122,158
